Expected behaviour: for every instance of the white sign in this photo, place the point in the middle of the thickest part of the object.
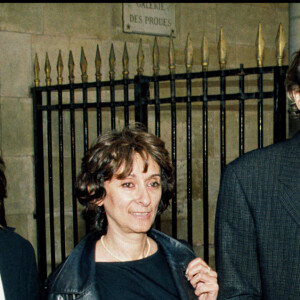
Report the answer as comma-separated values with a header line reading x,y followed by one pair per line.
x,y
149,18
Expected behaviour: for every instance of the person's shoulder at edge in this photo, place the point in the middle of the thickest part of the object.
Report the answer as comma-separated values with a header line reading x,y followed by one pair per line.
x,y
271,153
9,234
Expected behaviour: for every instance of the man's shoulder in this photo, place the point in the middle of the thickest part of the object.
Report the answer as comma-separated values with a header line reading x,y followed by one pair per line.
x,y
257,158
10,237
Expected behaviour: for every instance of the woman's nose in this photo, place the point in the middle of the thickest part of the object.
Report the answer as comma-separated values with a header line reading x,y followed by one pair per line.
x,y
143,195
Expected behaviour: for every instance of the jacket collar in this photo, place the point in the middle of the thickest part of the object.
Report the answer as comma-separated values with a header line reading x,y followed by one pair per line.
x,y
289,178
78,271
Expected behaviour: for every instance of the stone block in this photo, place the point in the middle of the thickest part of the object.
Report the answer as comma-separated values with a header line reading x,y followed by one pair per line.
x,y
22,17
16,66
89,20
17,126
20,185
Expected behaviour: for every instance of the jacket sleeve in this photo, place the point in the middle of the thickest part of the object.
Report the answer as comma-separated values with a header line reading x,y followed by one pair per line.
x,y
30,274
235,241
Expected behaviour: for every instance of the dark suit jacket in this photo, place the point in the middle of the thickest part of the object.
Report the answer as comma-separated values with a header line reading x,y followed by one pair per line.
x,y
257,225
17,267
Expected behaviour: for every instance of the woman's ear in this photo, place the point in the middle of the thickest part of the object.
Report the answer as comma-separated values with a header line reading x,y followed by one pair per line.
x,y
296,97
99,202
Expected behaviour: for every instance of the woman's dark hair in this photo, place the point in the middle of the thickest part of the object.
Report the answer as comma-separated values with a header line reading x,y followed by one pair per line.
x,y
292,83
2,192
105,157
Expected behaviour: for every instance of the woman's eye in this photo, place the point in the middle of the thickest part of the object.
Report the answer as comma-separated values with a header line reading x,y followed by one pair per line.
x,y
154,184
127,184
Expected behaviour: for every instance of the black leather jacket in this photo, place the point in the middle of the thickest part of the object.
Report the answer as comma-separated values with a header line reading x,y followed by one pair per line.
x,y
75,278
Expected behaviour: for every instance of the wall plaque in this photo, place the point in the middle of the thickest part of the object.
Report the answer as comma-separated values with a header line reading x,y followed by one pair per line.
x,y
149,18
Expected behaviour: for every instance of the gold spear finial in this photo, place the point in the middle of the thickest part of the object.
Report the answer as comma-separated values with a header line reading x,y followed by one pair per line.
x,y
59,67
222,50
172,64
280,44
260,45
98,64
125,60
47,70
112,62
155,57
36,69
205,54
140,59
83,66
71,67
188,54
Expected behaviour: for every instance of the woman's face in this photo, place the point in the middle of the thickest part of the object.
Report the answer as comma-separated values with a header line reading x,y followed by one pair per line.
x,y
131,203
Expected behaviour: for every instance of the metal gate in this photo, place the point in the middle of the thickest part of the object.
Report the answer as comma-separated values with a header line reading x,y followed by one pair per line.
x,y
68,117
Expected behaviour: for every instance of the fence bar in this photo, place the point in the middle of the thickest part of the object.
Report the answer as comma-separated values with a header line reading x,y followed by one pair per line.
x,y
85,119
61,177
112,104
50,183
189,158
157,129
222,121
99,110
279,105
141,95
126,102
260,109
242,111
205,170
73,167
174,153
39,185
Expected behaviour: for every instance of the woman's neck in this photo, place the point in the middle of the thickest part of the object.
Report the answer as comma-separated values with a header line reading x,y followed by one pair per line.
x,y
123,247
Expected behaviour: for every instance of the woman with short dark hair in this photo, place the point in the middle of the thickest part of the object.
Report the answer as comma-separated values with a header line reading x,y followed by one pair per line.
x,y
126,179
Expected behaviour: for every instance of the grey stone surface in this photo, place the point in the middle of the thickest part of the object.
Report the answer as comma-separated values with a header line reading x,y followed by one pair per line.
x,y
27,29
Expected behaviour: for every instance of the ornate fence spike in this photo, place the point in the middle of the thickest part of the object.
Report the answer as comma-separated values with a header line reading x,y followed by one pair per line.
x,y
83,66
222,50
140,59
125,60
71,67
47,70
280,44
188,54
98,64
155,57
205,54
60,67
112,63
260,45
36,69
172,64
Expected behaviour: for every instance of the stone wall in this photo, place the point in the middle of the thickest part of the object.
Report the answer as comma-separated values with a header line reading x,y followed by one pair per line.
x,y
27,29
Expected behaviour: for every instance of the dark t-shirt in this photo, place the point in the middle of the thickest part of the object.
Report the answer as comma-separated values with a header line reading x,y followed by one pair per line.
x,y
149,278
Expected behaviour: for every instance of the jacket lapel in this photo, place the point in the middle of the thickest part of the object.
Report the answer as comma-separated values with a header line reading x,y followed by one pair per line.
x,y
289,179
178,257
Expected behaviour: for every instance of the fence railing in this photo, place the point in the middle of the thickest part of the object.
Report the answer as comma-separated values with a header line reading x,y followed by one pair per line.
x,y
68,116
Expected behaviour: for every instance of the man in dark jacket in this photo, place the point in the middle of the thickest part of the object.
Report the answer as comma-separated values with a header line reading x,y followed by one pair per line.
x,y
18,269
257,229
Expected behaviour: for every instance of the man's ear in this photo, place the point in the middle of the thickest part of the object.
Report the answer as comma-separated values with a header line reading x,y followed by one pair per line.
x,y
296,97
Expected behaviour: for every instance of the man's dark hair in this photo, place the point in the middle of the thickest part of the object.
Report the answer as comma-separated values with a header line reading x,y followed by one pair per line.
x,y
292,83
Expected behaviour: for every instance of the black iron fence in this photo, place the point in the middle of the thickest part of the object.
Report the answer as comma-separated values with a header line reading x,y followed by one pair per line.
x,y
50,100
68,117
